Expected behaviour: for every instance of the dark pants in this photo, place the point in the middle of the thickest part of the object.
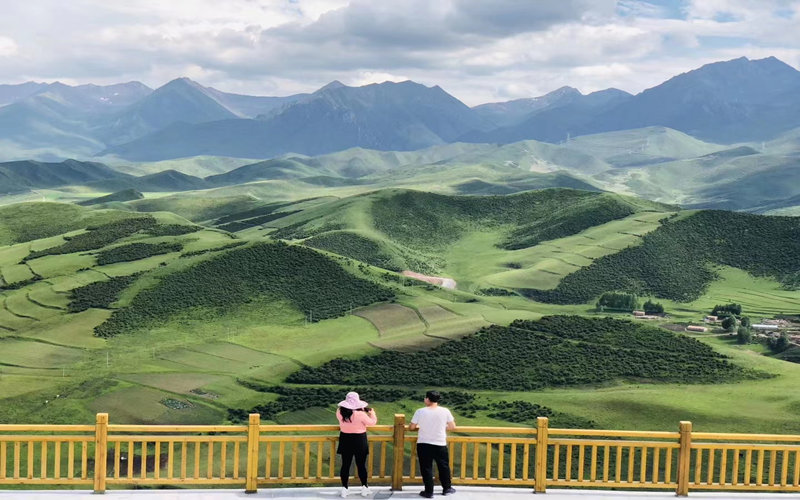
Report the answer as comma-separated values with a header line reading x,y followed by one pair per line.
x,y
361,465
427,453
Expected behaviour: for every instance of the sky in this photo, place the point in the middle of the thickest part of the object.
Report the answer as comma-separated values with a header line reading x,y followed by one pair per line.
x,y
478,50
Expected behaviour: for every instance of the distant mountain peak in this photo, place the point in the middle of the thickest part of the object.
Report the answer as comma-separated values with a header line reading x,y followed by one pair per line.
x,y
336,84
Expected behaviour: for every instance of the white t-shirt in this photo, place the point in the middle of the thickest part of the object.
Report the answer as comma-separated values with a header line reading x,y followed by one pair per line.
x,y
432,424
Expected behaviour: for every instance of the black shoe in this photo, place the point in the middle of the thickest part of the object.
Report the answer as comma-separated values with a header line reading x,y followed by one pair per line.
x,y
425,494
449,491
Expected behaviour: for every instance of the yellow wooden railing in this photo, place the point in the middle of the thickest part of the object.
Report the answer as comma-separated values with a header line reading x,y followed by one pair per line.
x,y
251,455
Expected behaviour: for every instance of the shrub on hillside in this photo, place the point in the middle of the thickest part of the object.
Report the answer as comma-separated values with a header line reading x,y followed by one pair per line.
x,y
673,262
527,355
301,276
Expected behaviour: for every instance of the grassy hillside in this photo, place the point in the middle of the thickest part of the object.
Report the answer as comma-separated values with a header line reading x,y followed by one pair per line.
x,y
217,309
674,262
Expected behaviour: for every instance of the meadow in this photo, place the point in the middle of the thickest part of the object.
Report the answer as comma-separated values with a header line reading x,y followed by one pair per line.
x,y
208,351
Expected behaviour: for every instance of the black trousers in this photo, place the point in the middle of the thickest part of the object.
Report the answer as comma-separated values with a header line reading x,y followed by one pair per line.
x,y
428,453
361,465
353,445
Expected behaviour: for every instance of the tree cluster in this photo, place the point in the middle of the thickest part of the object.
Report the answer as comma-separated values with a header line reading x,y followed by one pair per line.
x,y
673,262
98,236
617,301
100,294
526,355
305,278
136,251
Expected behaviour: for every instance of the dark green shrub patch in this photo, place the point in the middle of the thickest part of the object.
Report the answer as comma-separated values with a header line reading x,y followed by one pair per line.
x,y
554,351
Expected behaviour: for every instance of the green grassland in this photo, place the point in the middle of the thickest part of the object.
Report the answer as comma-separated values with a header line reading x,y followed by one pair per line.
x,y
200,355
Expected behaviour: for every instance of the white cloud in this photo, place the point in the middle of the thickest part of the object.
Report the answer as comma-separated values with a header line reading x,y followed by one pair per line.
x,y
479,51
8,47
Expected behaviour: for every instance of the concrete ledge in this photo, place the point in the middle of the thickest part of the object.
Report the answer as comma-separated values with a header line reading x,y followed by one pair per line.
x,y
380,493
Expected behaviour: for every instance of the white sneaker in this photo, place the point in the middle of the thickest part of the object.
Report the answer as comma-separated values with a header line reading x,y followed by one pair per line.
x,y
365,491
344,492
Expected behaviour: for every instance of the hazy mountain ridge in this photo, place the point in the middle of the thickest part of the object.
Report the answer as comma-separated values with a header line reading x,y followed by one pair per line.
x,y
726,102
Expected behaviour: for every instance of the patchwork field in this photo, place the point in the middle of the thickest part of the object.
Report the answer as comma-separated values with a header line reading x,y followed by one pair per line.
x,y
194,366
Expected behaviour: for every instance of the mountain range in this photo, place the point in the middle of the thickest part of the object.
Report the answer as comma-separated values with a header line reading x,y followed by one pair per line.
x,y
725,102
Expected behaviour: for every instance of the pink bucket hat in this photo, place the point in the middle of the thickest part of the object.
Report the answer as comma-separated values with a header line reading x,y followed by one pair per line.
x,y
353,402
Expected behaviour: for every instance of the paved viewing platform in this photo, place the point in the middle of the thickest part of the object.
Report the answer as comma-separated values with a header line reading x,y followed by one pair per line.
x,y
379,493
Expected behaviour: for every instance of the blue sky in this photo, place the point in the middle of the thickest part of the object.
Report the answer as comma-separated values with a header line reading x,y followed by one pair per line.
x,y
478,50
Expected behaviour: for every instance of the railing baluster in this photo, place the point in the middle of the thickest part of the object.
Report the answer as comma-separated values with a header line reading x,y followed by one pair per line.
x,y
144,460
568,472
223,460
784,467
17,446
184,459
157,461
30,460
631,455
581,458
117,447
606,464
412,466
795,481
307,459
451,456
320,458
698,465
488,469
512,464
130,459
654,477
710,477
773,465
281,453
668,466
526,460
735,467
748,467
3,464
56,461
210,465
268,460
170,459
760,468
556,469
84,460
475,450
197,460
723,466
500,457
236,451
332,461
593,471
294,460
70,460
43,460
643,466
383,459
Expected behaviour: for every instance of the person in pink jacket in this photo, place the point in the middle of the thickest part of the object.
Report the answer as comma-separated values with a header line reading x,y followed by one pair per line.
x,y
354,417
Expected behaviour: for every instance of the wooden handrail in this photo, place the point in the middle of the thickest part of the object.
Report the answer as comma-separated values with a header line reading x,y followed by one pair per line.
x,y
534,457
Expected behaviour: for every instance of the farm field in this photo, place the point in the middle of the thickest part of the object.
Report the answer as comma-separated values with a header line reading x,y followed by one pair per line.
x,y
202,356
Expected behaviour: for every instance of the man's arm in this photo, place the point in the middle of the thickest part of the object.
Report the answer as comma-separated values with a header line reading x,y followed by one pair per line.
x,y
412,426
451,425
414,419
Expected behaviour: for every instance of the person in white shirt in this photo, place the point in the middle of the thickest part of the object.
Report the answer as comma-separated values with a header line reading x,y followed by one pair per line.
x,y
433,422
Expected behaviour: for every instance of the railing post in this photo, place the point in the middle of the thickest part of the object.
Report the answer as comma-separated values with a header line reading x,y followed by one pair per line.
x,y
684,455
253,433
100,452
541,455
399,440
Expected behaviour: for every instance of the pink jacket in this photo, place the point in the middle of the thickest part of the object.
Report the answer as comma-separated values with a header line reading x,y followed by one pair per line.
x,y
358,422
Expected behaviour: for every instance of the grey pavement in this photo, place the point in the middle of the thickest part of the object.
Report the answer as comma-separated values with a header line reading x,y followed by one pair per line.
x,y
380,493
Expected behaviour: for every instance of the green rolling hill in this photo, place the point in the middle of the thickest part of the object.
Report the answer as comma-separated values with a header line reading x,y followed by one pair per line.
x,y
137,308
